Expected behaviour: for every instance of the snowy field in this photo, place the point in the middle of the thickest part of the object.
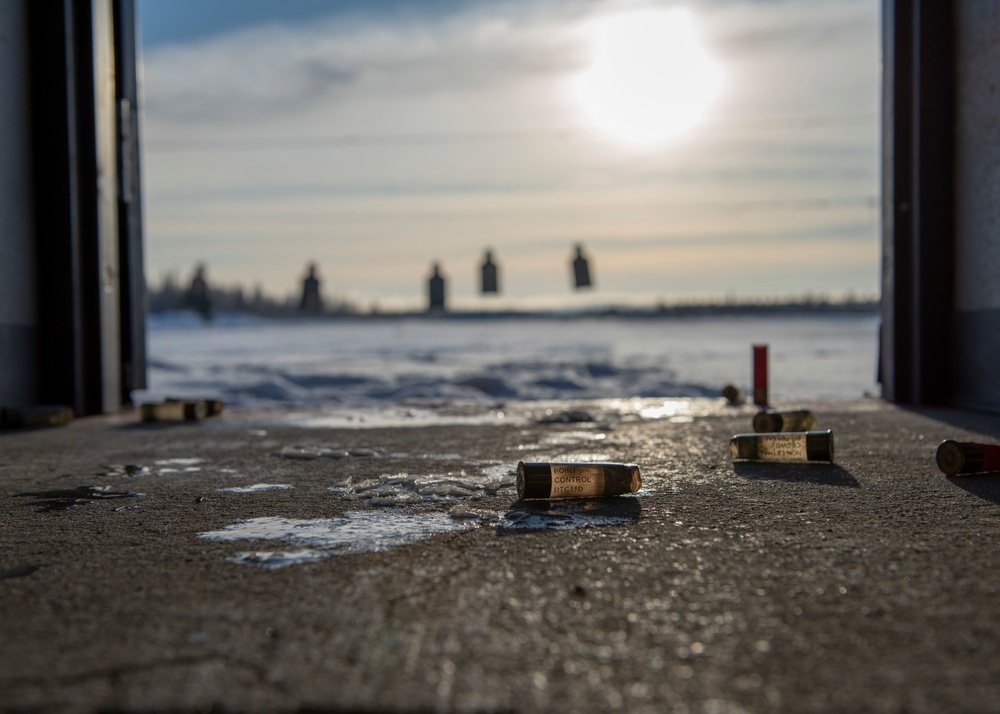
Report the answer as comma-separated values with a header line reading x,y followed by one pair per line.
x,y
249,361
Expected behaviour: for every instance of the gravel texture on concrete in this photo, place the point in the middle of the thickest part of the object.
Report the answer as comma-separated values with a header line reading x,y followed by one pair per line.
x,y
868,585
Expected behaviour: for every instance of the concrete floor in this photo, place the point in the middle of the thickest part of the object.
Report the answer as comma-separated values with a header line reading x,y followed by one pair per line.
x,y
869,585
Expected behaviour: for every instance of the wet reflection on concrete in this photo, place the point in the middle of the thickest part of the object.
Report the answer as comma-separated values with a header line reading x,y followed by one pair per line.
x,y
131,470
820,473
19,571
272,560
541,515
61,500
311,453
179,465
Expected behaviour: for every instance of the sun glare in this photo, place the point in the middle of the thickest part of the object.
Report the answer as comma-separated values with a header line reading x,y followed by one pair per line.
x,y
649,77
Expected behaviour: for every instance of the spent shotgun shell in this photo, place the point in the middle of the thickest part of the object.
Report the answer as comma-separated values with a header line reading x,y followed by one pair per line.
x,y
732,394
36,417
173,410
213,407
760,375
792,446
796,420
967,457
545,480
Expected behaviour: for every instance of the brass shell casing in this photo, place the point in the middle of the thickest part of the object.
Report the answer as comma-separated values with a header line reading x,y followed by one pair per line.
x,y
36,417
173,410
213,407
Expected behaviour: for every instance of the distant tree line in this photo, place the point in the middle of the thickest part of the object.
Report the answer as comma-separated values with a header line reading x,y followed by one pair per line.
x,y
171,295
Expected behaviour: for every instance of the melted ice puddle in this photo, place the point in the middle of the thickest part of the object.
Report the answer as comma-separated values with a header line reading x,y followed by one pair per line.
x,y
277,558
356,532
255,488
175,466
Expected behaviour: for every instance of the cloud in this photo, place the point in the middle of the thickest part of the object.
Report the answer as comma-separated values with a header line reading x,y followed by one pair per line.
x,y
784,25
277,70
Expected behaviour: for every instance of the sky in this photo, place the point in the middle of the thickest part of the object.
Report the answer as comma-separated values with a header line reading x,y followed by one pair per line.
x,y
695,150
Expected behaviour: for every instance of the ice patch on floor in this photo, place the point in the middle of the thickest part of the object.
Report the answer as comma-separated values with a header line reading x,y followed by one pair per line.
x,y
355,532
178,465
404,488
589,457
563,438
255,488
130,470
311,453
395,416
272,560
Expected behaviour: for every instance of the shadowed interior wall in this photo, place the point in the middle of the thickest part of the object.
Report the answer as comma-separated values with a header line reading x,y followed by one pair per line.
x,y
18,316
977,201
86,229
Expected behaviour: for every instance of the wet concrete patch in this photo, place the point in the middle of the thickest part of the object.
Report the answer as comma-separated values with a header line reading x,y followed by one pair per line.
x,y
540,515
63,499
566,416
129,470
444,412
576,436
678,411
354,532
274,559
19,571
573,457
558,439
311,453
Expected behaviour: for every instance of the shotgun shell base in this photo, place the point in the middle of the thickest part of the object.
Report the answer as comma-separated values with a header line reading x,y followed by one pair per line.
x,y
732,394
545,480
766,422
967,457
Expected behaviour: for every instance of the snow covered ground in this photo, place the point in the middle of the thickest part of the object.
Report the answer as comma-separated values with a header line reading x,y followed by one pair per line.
x,y
391,361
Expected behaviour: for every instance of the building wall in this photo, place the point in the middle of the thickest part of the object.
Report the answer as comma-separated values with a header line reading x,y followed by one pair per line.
x,y
17,260
977,203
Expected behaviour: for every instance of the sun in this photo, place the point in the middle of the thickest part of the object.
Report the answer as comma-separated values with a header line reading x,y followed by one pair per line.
x,y
650,77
